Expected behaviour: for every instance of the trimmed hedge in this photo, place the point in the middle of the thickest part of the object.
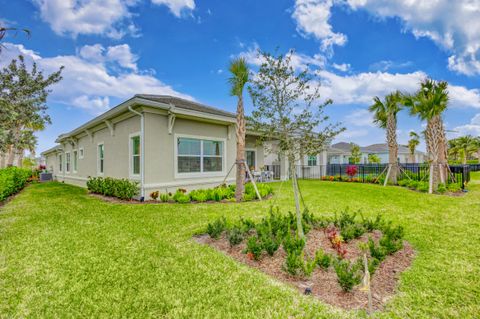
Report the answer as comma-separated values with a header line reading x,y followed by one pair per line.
x,y
120,188
12,180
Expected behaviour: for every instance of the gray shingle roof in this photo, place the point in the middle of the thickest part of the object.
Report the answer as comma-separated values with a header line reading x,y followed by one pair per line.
x,y
185,104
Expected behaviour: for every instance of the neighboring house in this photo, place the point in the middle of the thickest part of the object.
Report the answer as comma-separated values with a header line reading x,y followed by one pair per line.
x,y
340,153
162,142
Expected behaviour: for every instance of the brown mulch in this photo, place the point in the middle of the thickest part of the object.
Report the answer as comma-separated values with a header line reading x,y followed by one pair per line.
x,y
116,200
323,283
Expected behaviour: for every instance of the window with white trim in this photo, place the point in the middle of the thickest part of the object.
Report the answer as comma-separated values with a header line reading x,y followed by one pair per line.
x,y
100,157
75,161
199,155
81,153
60,163
312,161
67,162
135,154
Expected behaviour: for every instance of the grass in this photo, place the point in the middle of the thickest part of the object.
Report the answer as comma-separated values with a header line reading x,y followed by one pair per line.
x,y
66,254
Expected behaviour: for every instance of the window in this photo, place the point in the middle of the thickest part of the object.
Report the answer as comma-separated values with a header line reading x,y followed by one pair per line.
x,y
80,153
250,158
199,155
135,155
100,156
75,161
312,161
67,162
60,163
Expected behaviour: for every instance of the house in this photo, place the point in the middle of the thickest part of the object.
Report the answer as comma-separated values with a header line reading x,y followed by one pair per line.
x,y
340,153
163,142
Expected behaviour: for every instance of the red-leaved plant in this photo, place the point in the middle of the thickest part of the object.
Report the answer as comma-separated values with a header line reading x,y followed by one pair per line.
x,y
336,240
352,170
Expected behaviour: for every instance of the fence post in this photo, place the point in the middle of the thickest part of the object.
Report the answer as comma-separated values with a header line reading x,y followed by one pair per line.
x,y
363,173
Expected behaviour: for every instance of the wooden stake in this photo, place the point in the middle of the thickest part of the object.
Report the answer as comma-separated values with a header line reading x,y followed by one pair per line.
x,y
388,175
430,180
253,181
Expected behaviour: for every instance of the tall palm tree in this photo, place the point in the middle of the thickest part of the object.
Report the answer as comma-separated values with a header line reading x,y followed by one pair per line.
x,y
413,142
28,141
239,77
465,146
385,116
428,104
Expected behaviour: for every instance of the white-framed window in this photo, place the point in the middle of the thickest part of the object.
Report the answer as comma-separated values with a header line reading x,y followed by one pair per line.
x,y
60,163
251,159
135,154
100,158
67,162
81,153
312,161
75,161
199,156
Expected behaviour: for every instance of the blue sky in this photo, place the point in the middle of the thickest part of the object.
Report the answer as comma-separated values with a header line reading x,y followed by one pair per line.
x,y
112,49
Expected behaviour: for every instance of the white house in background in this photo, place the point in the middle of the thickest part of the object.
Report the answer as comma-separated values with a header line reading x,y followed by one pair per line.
x,y
340,153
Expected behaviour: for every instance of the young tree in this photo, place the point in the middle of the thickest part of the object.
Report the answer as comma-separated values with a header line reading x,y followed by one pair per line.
x,y
239,71
385,116
429,103
413,142
373,159
23,97
356,155
286,109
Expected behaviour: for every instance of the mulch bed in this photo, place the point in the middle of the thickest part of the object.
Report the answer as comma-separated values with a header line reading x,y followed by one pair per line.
x,y
323,283
116,200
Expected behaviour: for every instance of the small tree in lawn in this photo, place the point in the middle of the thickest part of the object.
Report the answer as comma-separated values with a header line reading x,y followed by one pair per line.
x,y
356,155
286,109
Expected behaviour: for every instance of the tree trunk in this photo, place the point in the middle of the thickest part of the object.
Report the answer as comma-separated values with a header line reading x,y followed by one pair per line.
x,y
11,155
293,176
240,134
392,148
20,154
3,160
412,158
433,132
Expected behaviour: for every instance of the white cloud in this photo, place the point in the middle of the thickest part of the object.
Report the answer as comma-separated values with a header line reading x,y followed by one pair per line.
x,y
472,128
312,17
111,18
91,84
344,67
359,117
123,55
453,25
177,6
92,52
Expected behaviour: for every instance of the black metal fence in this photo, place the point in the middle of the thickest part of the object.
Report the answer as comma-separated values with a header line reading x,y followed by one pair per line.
x,y
371,173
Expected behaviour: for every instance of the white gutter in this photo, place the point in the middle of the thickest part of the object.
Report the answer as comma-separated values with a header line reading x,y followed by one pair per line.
x,y
142,151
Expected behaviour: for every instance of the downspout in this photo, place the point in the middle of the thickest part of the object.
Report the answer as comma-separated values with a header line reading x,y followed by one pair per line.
x,y
142,152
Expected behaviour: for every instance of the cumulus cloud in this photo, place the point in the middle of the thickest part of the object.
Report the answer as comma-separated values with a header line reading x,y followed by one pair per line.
x,y
111,18
344,67
359,117
88,80
453,25
312,17
472,128
177,6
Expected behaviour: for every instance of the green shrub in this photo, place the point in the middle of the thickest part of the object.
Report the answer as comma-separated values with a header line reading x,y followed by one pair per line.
x,y
373,264
348,274
293,246
235,235
322,259
165,197
412,184
441,188
270,244
309,266
216,228
12,180
422,187
181,197
392,239
454,187
254,247
352,231
376,251
372,224
199,195
403,182
120,188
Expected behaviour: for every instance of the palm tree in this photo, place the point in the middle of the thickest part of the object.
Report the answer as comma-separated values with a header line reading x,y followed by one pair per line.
x,y
239,71
428,104
412,145
27,141
465,146
385,116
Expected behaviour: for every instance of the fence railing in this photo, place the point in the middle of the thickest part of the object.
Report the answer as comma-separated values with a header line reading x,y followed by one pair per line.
x,y
368,173
275,169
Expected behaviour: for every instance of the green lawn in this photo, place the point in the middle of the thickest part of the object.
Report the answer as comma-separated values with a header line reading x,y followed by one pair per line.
x,y
66,254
